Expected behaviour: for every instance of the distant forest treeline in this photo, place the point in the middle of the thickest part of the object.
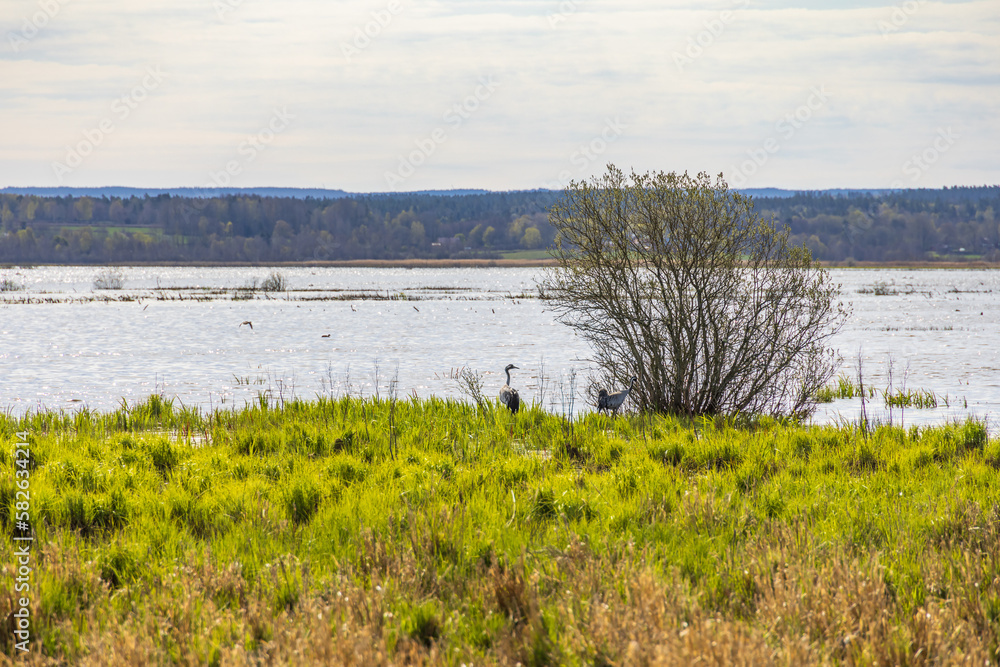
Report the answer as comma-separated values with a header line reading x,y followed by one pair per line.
x,y
948,224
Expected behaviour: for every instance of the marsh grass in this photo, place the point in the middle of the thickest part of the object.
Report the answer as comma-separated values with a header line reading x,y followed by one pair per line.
x,y
274,282
845,387
890,288
390,530
920,399
14,292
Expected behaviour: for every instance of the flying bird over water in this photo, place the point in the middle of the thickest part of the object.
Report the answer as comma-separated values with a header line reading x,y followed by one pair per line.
x,y
612,402
246,322
509,396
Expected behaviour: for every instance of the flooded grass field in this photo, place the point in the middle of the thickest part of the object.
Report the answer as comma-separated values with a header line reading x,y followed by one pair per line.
x,y
345,511
66,342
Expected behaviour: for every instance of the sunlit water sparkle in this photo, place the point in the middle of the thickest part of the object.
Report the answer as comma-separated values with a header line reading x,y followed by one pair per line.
x,y
62,349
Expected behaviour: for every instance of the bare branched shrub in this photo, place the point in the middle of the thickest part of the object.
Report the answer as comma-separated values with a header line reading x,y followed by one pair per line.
x,y
592,394
275,282
470,383
567,393
678,280
110,278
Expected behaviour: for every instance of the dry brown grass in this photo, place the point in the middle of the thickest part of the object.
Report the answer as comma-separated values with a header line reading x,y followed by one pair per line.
x,y
971,264
797,603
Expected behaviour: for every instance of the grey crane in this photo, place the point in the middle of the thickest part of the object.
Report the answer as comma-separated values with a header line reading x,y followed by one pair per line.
x,y
508,395
606,401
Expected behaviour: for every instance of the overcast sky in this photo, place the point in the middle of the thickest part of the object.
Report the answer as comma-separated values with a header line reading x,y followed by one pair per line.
x,y
408,95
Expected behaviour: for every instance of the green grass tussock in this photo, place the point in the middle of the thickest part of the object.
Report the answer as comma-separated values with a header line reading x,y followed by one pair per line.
x,y
918,399
430,531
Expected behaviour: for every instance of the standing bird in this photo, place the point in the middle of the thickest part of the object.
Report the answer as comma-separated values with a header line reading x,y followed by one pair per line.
x,y
606,401
509,396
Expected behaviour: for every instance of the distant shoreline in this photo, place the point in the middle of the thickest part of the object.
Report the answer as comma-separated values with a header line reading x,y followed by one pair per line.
x,y
352,263
483,263
978,264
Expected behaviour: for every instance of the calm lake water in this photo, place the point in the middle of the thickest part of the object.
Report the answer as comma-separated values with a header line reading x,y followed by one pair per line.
x,y
177,331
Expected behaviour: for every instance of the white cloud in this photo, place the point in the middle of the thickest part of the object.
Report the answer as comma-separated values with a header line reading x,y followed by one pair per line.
x,y
560,81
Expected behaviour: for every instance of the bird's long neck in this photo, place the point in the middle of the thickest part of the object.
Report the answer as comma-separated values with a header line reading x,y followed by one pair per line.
x,y
508,376
630,385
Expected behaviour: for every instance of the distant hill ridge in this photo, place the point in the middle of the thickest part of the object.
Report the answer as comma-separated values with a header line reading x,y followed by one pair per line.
x,y
294,193
324,193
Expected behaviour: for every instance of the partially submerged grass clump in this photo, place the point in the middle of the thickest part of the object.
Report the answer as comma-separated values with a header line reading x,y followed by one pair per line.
x,y
110,278
327,532
845,387
883,288
10,285
275,282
